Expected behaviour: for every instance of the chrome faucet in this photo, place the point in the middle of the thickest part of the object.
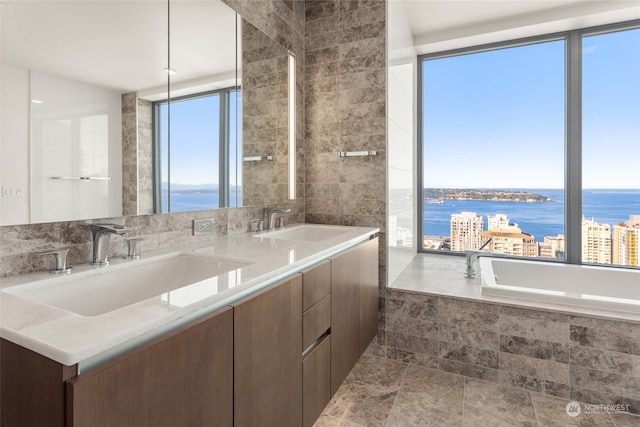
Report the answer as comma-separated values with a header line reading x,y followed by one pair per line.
x,y
272,214
100,237
472,256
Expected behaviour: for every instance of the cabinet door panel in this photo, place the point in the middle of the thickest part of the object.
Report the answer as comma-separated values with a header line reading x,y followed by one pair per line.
x,y
184,378
32,390
316,380
268,357
345,316
368,293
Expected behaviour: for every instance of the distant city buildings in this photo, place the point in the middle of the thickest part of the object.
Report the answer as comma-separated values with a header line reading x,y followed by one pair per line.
x,y
601,243
596,242
498,221
626,239
510,240
466,231
552,247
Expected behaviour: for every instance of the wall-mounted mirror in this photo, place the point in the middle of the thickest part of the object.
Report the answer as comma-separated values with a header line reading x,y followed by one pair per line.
x,y
126,108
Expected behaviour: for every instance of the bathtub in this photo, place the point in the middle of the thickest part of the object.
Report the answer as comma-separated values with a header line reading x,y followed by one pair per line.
x,y
584,286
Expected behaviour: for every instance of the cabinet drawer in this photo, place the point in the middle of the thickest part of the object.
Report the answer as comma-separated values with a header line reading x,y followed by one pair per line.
x,y
316,382
316,284
315,322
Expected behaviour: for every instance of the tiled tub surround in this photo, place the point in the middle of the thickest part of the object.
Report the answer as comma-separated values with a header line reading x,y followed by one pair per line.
x,y
69,338
580,354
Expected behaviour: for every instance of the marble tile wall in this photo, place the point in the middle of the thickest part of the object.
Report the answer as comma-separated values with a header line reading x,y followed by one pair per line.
x,y
129,154
345,110
137,155
283,20
265,106
572,357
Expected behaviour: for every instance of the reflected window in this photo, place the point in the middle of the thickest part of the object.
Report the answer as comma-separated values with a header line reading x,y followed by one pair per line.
x,y
196,145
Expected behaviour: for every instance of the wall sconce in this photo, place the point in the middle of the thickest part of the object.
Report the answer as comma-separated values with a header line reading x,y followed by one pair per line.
x,y
292,126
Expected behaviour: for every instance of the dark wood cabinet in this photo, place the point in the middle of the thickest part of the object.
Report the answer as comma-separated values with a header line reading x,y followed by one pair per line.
x,y
354,301
184,378
32,390
268,356
368,303
316,381
274,358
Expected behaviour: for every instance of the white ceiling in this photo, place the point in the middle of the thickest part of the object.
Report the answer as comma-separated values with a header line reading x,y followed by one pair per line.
x,y
122,44
119,45
436,25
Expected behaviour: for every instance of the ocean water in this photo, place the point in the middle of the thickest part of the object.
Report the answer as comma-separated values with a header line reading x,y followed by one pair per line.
x,y
184,201
538,219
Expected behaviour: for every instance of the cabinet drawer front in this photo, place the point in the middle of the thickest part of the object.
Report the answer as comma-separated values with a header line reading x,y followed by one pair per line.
x,y
316,284
316,382
315,322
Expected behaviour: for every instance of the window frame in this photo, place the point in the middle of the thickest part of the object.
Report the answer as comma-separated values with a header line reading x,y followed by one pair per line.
x,y
573,130
223,145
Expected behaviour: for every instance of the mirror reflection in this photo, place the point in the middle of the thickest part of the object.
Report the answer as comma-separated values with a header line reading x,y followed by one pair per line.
x,y
126,108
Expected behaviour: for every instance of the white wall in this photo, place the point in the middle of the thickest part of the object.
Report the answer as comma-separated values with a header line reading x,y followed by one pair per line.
x,y
14,145
401,133
75,132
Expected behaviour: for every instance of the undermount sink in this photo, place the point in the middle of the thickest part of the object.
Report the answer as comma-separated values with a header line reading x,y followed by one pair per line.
x,y
99,291
306,233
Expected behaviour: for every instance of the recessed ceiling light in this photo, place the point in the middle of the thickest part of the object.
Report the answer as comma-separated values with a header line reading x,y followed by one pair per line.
x,y
37,101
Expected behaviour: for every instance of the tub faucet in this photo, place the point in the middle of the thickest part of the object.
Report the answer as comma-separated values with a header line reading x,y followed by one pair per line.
x,y
100,236
272,214
473,255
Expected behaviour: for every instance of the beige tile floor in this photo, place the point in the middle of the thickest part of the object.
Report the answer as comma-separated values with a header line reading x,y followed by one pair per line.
x,y
387,393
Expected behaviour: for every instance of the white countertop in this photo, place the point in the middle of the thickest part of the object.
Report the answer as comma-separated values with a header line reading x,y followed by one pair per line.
x,y
70,338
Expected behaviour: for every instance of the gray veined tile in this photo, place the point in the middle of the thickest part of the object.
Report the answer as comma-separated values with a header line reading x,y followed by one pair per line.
x,y
426,398
480,339
473,371
379,372
487,404
538,368
551,412
468,354
625,420
535,348
534,384
608,361
611,383
604,339
537,329
363,404
328,421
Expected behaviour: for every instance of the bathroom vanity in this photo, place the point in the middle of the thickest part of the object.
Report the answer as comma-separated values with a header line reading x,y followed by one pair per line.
x,y
268,346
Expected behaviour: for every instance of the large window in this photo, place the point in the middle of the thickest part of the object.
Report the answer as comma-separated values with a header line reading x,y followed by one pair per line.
x,y
531,148
196,168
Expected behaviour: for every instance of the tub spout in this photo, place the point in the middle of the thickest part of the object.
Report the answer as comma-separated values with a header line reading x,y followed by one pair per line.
x,y
473,255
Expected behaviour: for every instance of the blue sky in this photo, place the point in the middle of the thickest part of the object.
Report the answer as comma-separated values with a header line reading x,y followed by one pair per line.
x,y
496,119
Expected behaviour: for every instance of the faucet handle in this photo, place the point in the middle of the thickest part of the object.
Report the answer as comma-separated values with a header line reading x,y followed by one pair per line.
x,y
257,225
61,261
132,248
